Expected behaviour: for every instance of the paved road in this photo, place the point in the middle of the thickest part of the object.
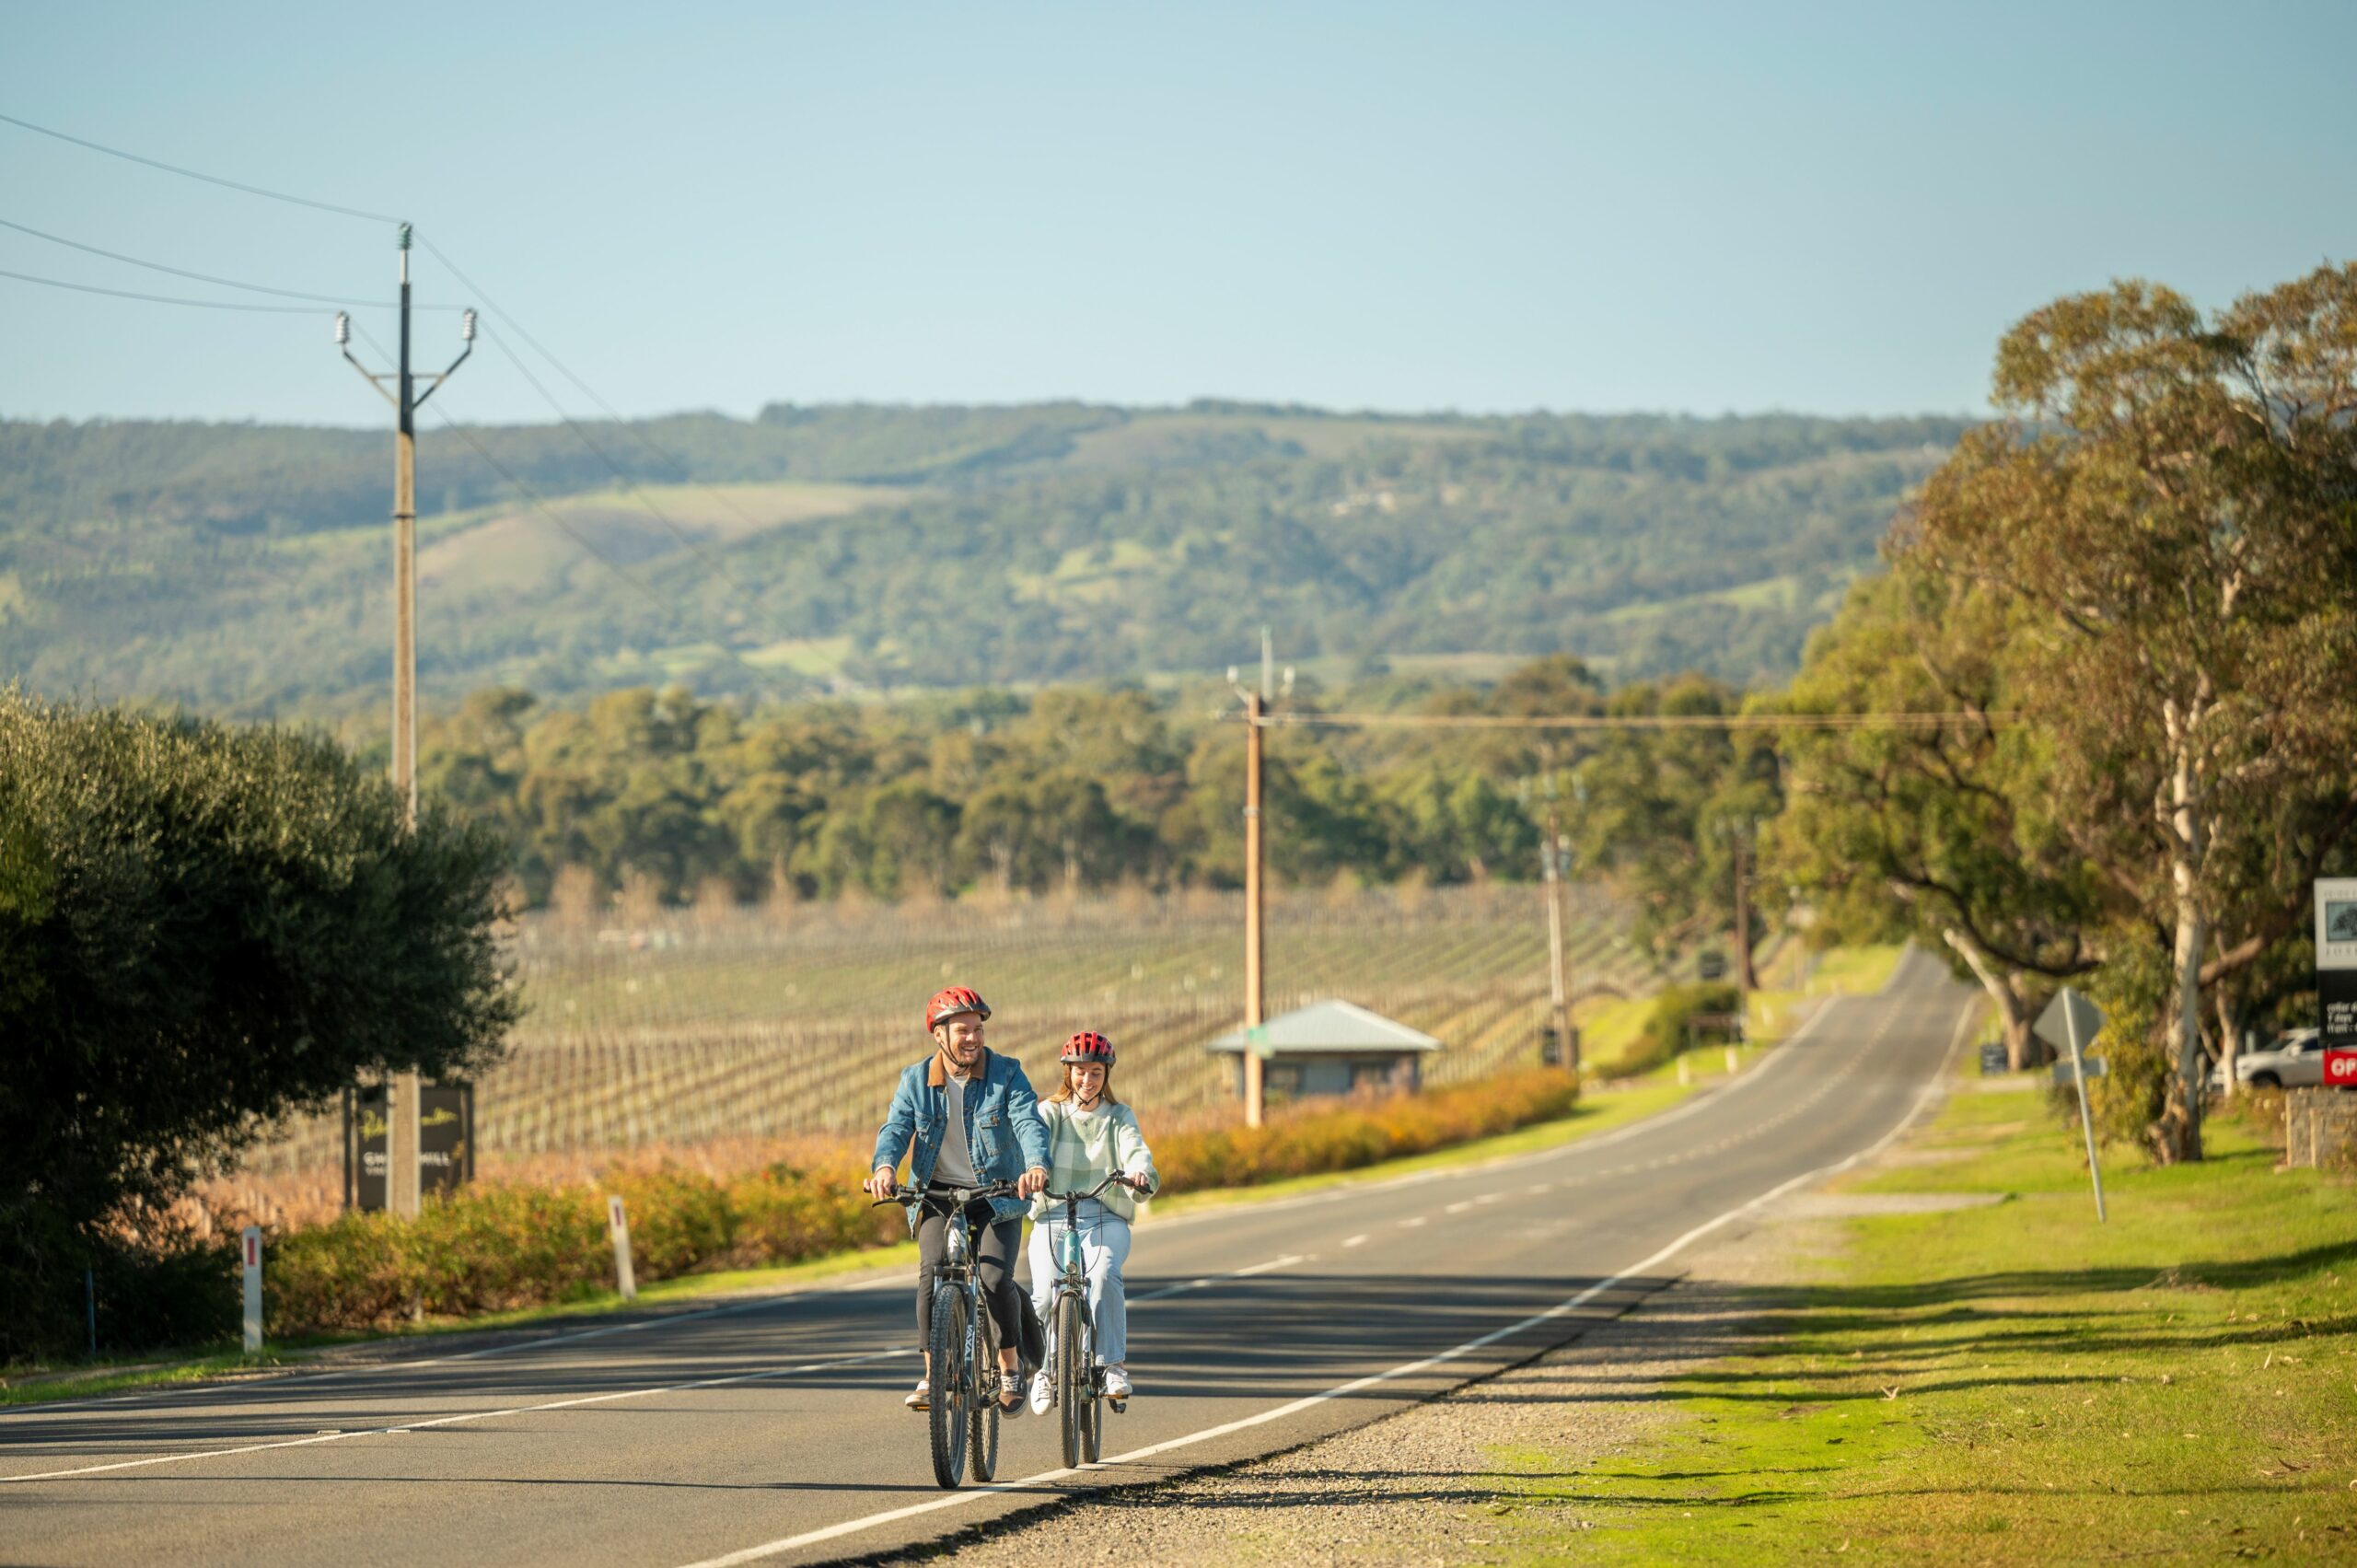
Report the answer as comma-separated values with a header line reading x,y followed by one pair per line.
x,y
771,1429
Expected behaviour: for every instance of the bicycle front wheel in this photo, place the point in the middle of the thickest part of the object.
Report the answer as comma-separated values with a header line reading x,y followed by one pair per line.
x,y
1072,1377
981,1425
952,1384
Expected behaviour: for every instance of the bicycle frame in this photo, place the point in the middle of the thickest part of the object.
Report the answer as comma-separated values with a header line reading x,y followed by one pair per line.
x,y
1081,1380
964,1413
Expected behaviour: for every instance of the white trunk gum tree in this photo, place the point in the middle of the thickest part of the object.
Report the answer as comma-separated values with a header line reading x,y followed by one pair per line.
x,y
2177,500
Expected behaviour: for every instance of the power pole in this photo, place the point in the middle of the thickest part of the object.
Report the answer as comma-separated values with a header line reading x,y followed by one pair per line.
x,y
1745,980
1256,709
401,1108
1567,1042
1254,996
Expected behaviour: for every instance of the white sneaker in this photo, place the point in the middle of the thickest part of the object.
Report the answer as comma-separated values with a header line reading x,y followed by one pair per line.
x,y
1043,1393
921,1397
1117,1383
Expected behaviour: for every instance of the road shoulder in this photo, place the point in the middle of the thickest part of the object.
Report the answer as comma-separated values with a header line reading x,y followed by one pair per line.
x,y
1938,1358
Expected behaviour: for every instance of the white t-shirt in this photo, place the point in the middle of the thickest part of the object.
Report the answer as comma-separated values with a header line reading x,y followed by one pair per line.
x,y
955,1165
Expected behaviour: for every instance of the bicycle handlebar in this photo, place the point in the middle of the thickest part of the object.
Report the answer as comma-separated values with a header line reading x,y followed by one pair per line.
x,y
1117,1177
956,1197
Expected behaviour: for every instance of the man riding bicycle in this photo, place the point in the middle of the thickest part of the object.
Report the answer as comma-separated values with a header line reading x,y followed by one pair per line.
x,y
972,1120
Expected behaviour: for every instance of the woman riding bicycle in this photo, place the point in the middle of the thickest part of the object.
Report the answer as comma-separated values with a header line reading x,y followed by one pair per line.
x,y
1091,1136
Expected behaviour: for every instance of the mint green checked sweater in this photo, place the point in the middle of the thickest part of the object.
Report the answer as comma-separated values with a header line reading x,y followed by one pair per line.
x,y
1085,1150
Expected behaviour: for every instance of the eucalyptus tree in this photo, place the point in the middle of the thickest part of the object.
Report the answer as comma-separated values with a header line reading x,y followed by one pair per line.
x,y
2173,501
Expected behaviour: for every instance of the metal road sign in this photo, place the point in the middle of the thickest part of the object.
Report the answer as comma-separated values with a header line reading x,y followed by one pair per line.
x,y
2068,1007
2070,1023
2340,1069
2337,960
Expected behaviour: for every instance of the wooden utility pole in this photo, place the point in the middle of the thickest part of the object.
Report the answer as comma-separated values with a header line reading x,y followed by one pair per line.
x,y
401,1106
1255,704
1747,981
1567,1041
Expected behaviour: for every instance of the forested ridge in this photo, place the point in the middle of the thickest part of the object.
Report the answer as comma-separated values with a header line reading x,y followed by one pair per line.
x,y
853,549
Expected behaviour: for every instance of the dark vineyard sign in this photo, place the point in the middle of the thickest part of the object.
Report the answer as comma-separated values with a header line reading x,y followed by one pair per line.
x,y
445,1142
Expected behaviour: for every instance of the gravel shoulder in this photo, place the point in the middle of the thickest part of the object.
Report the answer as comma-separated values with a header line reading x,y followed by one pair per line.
x,y
1415,1488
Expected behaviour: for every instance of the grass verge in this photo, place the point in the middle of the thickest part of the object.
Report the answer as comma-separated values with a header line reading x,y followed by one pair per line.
x,y
2013,1383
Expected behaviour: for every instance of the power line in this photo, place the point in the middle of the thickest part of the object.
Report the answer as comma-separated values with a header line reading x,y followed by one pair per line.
x,y
629,484
206,277
541,505
165,298
197,174
1896,721
488,303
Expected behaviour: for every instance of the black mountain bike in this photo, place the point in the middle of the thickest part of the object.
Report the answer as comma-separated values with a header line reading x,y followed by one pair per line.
x,y
1080,1382
963,1411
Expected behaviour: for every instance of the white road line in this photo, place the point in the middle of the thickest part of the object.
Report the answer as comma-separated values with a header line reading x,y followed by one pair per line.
x,y
471,1415
1343,1390
403,1364
1412,1221
1458,1208
1349,1241
1694,1105
1287,1261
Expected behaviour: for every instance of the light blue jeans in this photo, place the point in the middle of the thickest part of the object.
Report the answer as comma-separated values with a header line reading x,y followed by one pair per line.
x,y
1104,1248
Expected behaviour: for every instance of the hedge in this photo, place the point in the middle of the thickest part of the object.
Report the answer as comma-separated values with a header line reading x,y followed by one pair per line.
x,y
499,1247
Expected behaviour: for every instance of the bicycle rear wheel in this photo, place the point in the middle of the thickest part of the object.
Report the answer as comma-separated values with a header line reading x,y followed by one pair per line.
x,y
952,1384
981,1433
1072,1377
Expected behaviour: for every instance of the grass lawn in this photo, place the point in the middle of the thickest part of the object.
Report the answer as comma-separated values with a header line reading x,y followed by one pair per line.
x,y
2014,1384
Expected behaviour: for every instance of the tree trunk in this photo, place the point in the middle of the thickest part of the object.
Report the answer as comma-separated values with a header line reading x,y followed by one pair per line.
x,y
2230,1036
2013,1007
2176,1136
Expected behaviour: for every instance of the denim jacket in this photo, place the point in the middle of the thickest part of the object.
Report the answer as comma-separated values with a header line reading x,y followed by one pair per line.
x,y
1004,1133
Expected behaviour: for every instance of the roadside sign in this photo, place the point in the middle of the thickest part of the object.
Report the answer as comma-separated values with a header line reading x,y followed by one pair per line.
x,y
1994,1064
2337,960
2071,1022
2054,1025
1256,1040
2340,1069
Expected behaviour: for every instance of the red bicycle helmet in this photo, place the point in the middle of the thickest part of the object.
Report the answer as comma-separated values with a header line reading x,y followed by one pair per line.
x,y
948,1003
1089,1046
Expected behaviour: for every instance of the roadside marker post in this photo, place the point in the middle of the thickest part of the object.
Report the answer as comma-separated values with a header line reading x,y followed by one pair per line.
x,y
618,1224
252,1241
2068,1021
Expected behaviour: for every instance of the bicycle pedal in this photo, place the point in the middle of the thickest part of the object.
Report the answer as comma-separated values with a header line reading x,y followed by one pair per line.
x,y
1120,1407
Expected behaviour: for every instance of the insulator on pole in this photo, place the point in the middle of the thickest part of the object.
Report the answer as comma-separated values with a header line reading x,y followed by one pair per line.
x,y
342,328
404,237
467,327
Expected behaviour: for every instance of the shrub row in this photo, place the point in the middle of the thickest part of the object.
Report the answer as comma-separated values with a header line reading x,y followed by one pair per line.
x,y
507,1246
499,1247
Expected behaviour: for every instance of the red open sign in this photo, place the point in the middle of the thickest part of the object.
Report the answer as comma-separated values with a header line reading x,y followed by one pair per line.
x,y
2340,1069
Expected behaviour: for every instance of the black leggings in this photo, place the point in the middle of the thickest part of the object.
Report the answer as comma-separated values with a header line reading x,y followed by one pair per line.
x,y
994,1249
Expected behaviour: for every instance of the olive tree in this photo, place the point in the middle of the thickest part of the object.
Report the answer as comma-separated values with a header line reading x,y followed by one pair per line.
x,y
203,928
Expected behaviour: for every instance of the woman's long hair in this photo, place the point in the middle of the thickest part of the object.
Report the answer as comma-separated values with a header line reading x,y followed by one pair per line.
x,y
1064,1085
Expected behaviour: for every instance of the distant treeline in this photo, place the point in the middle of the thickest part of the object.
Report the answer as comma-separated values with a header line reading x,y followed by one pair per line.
x,y
660,796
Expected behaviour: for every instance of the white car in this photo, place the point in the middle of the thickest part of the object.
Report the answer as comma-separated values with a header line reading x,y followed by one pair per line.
x,y
2294,1061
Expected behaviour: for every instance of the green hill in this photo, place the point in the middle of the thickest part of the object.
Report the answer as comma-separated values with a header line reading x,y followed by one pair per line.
x,y
242,568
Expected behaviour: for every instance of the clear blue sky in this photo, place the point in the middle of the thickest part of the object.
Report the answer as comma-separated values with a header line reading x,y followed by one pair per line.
x,y
1828,208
